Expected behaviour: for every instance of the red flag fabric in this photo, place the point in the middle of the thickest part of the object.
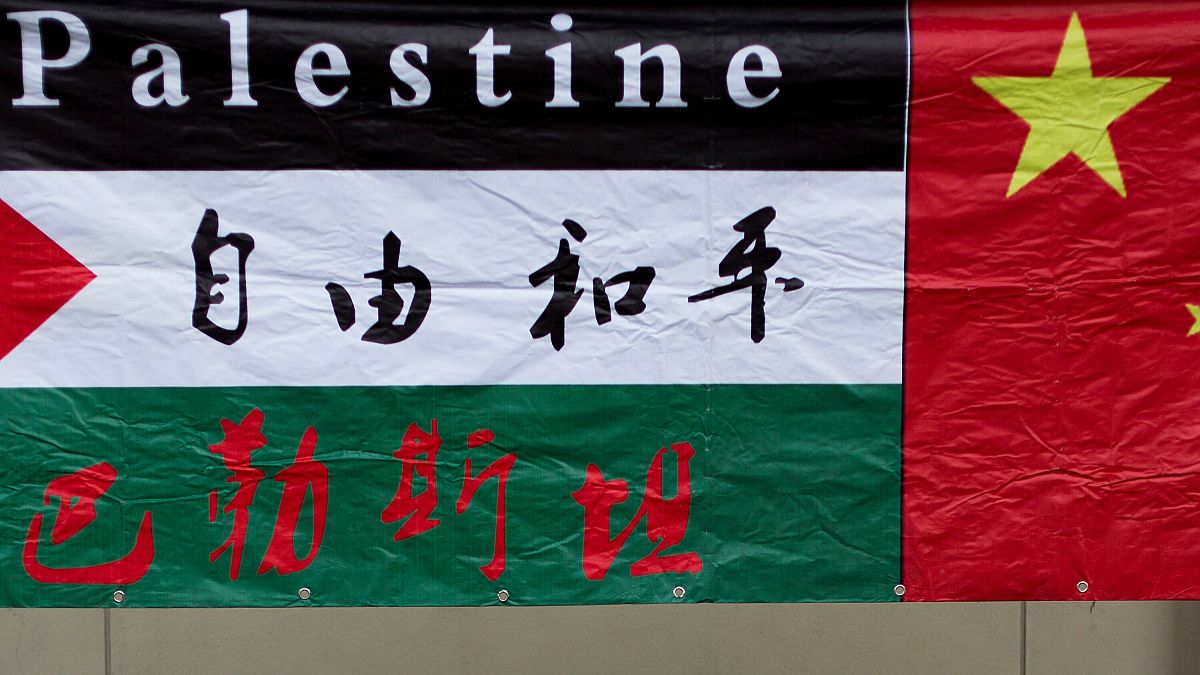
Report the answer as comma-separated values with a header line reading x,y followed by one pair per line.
x,y
1052,413
37,277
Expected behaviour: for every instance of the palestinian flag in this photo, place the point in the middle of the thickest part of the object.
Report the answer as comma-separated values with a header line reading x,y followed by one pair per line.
x,y
457,305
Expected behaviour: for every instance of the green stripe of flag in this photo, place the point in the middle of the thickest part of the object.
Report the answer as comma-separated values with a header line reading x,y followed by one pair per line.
x,y
796,491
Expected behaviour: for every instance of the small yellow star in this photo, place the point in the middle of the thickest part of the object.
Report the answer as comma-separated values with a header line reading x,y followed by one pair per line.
x,y
1069,112
1195,310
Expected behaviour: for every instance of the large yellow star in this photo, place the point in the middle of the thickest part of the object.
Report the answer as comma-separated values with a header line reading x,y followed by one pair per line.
x,y
1069,112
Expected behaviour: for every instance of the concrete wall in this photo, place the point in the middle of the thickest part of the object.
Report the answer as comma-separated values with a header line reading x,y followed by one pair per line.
x,y
1143,638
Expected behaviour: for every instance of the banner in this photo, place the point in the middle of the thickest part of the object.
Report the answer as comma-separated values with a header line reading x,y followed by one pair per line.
x,y
368,304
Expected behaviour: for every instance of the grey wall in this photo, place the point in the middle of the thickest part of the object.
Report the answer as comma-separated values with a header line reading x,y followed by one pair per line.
x,y
1135,637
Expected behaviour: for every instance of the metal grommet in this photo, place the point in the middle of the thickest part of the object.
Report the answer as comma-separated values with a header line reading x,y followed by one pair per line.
x,y
118,597
899,590
502,596
304,593
1082,587
678,592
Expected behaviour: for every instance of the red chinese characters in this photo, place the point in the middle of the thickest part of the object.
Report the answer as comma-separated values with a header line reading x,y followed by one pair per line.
x,y
416,508
240,441
305,473
77,494
418,453
413,508
666,519
499,470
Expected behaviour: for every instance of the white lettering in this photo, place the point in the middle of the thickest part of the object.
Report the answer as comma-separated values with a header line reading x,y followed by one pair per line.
x,y
307,74
239,58
33,54
736,76
561,56
672,76
170,72
410,75
485,52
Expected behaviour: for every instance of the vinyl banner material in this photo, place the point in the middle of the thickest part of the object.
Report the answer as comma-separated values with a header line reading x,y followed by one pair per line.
x,y
382,304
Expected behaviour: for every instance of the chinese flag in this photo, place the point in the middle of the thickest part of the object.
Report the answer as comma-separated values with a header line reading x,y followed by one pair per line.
x,y
1052,335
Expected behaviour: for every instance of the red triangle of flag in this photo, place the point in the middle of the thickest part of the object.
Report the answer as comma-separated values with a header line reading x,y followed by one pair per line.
x,y
37,277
